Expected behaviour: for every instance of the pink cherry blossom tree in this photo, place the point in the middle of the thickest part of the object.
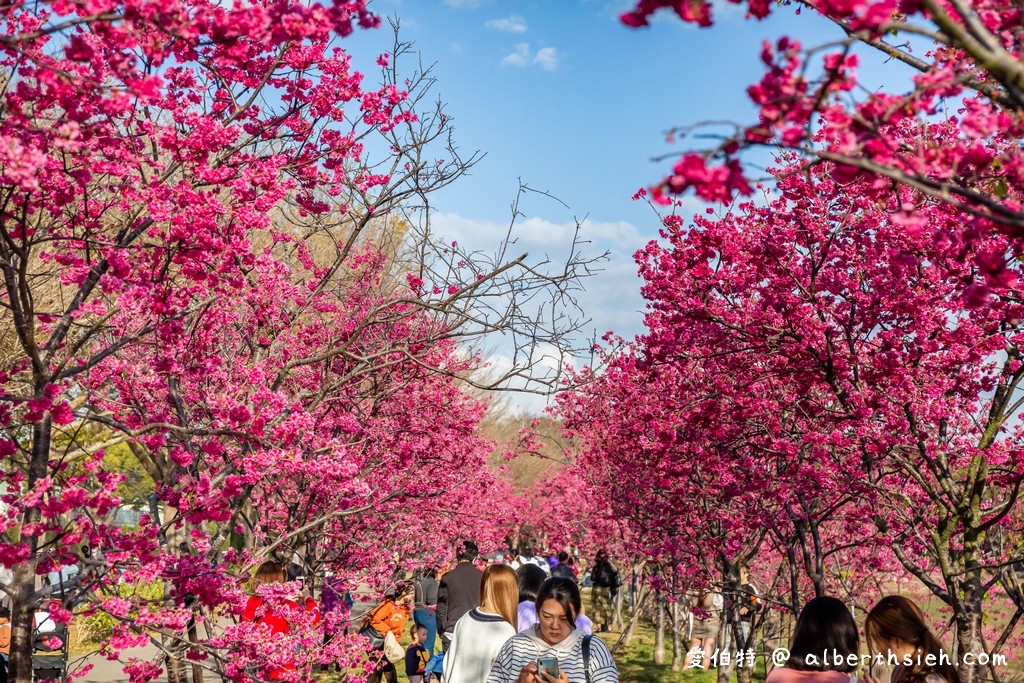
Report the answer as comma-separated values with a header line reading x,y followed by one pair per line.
x,y
948,135
215,255
964,63
831,353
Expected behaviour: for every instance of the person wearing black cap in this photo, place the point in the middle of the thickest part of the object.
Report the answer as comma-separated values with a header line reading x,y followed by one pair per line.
x,y
458,592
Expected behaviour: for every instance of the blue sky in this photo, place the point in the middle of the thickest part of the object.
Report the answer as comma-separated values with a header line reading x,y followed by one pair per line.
x,y
560,94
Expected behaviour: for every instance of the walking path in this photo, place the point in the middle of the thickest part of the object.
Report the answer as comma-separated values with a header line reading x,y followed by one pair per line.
x,y
106,671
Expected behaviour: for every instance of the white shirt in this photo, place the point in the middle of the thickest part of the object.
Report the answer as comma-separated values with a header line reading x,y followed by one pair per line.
x,y
539,561
476,641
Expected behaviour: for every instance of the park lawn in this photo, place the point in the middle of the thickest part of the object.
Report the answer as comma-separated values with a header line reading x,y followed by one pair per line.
x,y
636,662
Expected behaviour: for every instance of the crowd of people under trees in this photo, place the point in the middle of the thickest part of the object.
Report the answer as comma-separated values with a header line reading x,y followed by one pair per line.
x,y
493,620
141,202
522,619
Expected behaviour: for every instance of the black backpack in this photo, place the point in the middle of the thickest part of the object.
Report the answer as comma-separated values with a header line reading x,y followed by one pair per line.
x,y
586,657
600,577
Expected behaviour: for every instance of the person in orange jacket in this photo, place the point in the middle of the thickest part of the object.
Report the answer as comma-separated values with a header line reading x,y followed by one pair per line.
x,y
390,615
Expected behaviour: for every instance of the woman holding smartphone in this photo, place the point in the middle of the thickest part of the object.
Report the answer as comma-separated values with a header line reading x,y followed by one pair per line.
x,y
555,650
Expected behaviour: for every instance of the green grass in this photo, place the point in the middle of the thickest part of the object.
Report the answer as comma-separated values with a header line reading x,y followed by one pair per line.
x,y
636,662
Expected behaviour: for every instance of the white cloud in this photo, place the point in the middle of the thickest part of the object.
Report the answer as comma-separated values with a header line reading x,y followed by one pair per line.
x,y
619,233
547,58
523,395
509,24
456,48
552,358
521,56
610,298
722,9
522,399
536,232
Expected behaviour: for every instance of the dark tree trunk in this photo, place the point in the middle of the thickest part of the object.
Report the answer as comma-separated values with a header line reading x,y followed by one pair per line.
x,y
23,590
968,637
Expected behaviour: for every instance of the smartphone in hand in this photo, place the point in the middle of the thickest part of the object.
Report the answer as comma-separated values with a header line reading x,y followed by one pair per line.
x,y
548,665
881,673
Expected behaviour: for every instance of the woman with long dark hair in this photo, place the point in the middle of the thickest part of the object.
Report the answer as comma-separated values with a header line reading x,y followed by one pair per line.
x,y
823,641
896,631
531,578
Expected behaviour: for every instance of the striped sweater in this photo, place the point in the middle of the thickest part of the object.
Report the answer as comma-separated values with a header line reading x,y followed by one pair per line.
x,y
528,646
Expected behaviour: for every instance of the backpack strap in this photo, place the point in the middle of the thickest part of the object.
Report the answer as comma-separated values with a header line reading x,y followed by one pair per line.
x,y
369,616
586,657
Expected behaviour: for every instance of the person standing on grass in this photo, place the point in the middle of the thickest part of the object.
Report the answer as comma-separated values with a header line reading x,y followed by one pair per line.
x,y
605,586
707,606
529,556
390,615
417,656
458,592
425,608
273,617
562,568
749,605
482,631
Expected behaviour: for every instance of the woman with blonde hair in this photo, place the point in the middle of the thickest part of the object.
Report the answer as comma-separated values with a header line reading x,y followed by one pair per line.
x,y
896,631
480,633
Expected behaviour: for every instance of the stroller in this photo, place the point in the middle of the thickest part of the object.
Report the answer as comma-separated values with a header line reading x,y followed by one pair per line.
x,y
49,646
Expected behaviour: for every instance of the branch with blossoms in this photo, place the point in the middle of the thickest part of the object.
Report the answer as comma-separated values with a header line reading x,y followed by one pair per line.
x,y
974,66
214,269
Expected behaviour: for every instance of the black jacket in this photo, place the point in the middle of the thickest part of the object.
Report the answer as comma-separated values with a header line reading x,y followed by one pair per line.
x,y
563,571
603,575
458,593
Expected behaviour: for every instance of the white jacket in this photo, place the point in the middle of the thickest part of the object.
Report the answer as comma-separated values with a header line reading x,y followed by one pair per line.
x,y
477,638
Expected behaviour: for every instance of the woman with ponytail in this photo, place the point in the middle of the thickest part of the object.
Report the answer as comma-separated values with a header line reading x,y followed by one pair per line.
x,y
897,634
